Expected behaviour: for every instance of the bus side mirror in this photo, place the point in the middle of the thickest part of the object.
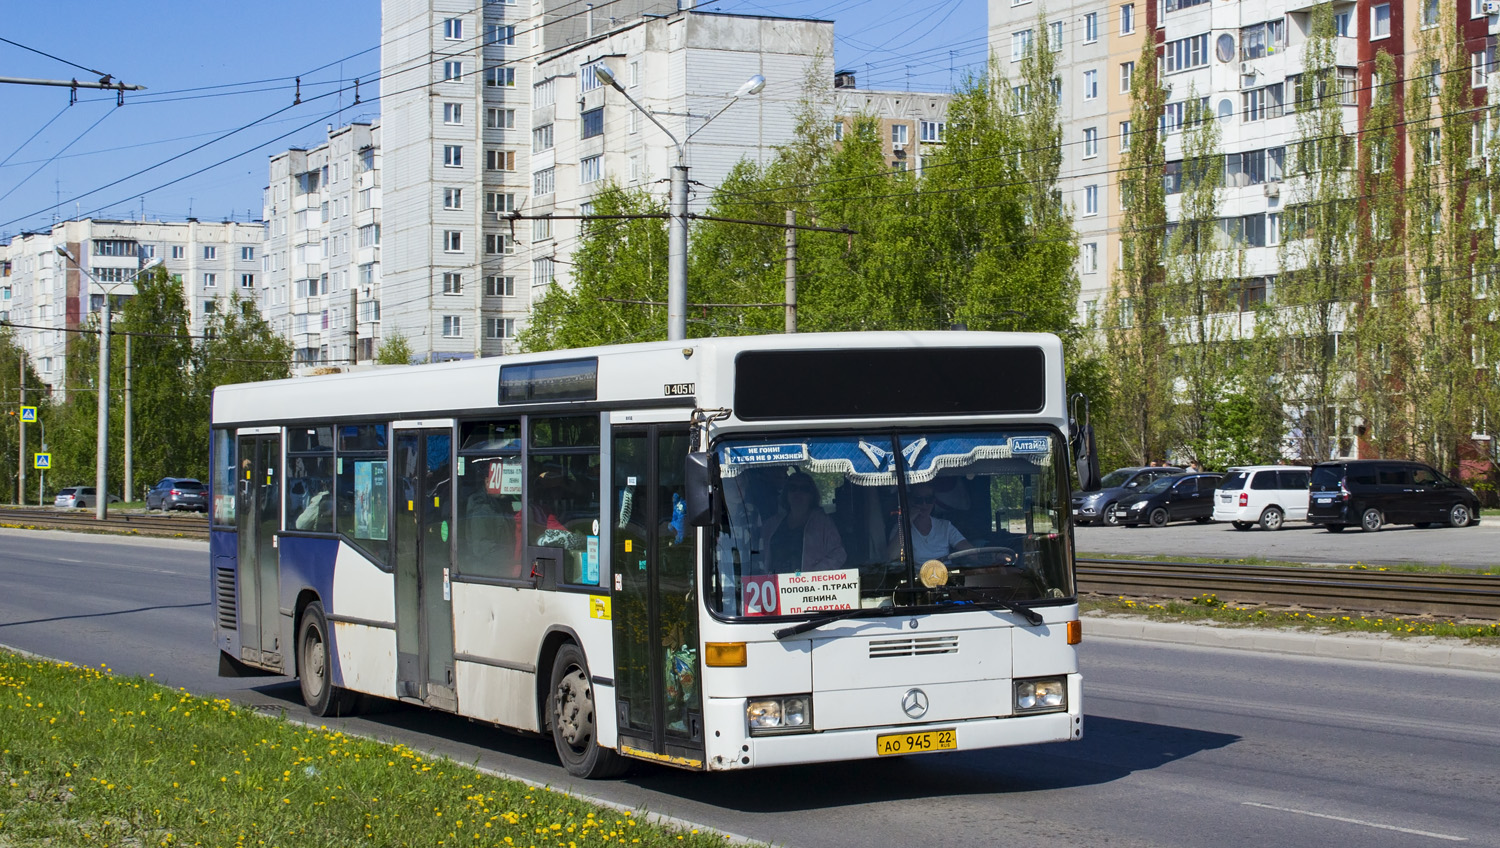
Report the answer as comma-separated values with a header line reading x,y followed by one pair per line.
x,y
1087,463
700,482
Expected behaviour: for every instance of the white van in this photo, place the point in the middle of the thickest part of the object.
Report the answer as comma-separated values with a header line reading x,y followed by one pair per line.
x,y
1268,495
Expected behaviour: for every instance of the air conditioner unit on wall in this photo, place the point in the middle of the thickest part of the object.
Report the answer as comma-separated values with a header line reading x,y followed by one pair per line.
x,y
1492,7
1273,189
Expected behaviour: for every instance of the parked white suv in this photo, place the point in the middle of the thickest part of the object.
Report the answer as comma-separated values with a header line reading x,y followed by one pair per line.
x,y
1268,495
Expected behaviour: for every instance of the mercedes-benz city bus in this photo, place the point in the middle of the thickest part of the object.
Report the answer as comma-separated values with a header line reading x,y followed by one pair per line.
x,y
715,554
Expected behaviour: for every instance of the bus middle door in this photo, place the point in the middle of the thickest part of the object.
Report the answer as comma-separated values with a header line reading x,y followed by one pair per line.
x,y
258,519
655,597
423,482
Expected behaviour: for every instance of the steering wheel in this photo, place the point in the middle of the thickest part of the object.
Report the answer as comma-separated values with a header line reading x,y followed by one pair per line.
x,y
991,557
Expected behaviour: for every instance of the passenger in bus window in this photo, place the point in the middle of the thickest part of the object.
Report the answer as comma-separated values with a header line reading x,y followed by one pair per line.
x,y
544,513
801,537
931,537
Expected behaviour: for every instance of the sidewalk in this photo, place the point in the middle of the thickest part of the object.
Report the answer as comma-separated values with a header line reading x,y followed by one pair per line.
x,y
1371,647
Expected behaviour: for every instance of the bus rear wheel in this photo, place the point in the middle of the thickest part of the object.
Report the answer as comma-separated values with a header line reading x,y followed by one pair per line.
x,y
572,714
315,667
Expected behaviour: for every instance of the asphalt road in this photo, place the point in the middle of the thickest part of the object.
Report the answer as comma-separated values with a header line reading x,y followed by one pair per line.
x,y
1182,747
1472,547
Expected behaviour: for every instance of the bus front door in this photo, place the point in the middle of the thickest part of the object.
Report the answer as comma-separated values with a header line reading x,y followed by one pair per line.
x,y
258,518
655,597
423,556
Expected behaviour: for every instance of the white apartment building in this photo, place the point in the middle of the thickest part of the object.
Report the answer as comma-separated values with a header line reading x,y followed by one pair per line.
x,y
44,296
912,124
322,248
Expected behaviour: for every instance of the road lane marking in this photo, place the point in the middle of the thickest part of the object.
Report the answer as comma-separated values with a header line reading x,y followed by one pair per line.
x,y
1362,822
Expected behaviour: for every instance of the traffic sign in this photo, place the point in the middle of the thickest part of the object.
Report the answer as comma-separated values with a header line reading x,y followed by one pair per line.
x,y
28,415
43,460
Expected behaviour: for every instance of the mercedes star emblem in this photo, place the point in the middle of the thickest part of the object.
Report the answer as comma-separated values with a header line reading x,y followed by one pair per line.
x,y
914,703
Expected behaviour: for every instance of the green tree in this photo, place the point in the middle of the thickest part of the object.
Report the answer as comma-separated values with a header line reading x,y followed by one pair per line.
x,y
394,349
12,358
170,412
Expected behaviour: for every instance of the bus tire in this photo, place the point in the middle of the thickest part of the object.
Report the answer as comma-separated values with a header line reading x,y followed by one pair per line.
x,y
315,667
571,713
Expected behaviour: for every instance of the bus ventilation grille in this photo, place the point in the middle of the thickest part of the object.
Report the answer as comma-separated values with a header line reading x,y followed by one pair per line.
x,y
916,646
224,596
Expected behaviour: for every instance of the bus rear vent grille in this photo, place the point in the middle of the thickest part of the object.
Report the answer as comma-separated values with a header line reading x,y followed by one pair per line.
x,y
916,646
224,597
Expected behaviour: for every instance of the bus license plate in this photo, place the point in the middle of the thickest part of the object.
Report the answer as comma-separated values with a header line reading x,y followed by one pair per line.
x,y
916,743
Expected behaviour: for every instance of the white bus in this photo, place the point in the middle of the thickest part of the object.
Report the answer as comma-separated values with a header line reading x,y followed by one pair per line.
x,y
715,554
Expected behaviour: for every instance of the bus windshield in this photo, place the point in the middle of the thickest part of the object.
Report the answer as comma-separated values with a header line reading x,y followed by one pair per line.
x,y
821,523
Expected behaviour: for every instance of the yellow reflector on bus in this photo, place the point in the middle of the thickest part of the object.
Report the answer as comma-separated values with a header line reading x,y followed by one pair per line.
x,y
1075,632
725,654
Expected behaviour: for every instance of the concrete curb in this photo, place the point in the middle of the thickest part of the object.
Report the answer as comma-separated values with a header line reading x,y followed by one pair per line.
x,y
1424,651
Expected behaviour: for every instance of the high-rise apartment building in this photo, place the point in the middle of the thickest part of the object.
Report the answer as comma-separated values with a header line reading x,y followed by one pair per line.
x,y
44,296
912,124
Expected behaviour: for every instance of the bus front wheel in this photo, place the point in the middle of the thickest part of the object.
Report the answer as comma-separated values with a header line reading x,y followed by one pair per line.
x,y
315,667
572,714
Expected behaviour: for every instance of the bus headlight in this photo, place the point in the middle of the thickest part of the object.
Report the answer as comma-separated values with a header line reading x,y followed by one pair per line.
x,y
1042,695
784,714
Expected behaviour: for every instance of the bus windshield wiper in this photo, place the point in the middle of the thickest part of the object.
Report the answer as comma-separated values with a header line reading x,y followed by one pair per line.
x,y
1032,617
815,623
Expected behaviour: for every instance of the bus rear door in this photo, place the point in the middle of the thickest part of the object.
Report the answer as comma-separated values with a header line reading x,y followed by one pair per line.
x,y
258,518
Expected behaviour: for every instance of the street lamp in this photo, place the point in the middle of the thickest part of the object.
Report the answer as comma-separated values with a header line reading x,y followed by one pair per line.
x,y
677,203
101,468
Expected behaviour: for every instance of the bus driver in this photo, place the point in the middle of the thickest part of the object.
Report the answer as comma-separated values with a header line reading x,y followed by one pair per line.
x,y
931,538
801,537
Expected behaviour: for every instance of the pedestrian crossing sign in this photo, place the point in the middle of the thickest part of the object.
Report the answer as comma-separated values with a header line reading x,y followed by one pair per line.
x,y
28,415
44,461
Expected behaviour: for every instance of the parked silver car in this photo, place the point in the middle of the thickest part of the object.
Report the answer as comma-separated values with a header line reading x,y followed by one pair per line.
x,y
80,497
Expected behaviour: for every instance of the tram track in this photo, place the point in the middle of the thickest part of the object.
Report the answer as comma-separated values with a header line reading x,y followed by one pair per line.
x,y
1474,596
191,526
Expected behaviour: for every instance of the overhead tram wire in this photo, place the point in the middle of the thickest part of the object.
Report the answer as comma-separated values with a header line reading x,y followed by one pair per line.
x,y
102,75
53,157
13,153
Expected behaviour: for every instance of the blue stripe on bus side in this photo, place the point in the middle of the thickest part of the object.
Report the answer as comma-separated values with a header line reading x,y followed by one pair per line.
x,y
308,563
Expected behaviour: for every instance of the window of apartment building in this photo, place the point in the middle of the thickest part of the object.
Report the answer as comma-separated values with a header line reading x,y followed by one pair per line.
x,y
541,138
1479,138
1172,179
210,252
932,132
452,71
499,286
499,202
590,169
1090,200
453,198
1127,19
178,251
1055,36
633,124
1380,21
543,94
1090,142
1186,53
453,326
1273,229
1482,62
453,29
453,156
453,114
543,270
1088,257
635,168
369,235
114,247
1090,85
1174,5
247,281
210,281
247,253
1253,167
210,307
635,73
1430,12
1127,72
1341,21
591,123
898,136
367,274
500,119
500,328
453,241
1124,136
109,275
1261,104
503,35
1432,146
587,79
323,212
453,282
1020,44
541,229
543,182
1020,99
146,251
1434,77
499,244
499,160
1090,27
500,77
1262,39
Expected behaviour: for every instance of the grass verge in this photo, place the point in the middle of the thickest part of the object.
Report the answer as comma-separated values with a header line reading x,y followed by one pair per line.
x,y
1210,608
1405,567
87,758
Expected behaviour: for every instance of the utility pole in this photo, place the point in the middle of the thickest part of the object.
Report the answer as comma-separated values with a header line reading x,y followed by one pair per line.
x,y
791,270
354,324
101,443
129,493
21,427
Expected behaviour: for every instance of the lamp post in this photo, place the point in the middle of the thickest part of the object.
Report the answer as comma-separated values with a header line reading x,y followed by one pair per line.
x,y
101,445
677,200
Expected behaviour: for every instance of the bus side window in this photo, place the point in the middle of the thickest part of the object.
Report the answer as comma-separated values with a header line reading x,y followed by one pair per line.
x,y
489,497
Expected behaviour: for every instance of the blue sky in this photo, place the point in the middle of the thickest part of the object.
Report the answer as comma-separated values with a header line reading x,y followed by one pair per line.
x,y
212,68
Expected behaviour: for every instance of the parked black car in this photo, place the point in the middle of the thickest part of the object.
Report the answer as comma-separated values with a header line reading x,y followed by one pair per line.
x,y
1370,493
1178,498
1100,505
177,493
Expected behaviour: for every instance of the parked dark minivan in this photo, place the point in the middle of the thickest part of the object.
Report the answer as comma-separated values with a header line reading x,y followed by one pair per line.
x,y
1370,493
